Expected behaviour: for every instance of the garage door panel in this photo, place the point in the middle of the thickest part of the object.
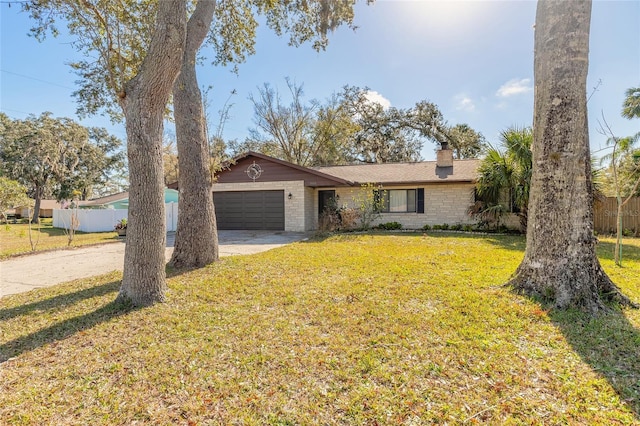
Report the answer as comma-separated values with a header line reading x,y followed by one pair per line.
x,y
252,210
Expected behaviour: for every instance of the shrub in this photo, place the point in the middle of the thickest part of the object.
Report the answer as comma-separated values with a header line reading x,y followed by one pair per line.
x,y
426,227
445,226
389,226
328,221
369,203
456,227
349,218
467,228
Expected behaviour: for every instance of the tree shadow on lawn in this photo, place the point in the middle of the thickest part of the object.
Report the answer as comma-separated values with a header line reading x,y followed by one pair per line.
x,y
514,242
604,249
65,328
610,344
60,300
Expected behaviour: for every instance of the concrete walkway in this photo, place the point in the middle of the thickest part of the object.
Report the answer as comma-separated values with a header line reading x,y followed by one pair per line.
x,y
25,273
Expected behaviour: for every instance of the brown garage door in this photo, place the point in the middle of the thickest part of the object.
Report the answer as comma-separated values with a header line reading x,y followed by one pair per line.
x,y
250,210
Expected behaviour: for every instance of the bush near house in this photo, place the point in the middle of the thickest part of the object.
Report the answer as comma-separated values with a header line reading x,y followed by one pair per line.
x,y
390,226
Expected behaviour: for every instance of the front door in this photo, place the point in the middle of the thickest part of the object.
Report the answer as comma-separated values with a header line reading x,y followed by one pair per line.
x,y
326,199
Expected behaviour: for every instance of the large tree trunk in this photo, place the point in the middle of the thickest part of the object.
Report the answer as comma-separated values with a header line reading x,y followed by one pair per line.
x,y
144,103
196,242
560,263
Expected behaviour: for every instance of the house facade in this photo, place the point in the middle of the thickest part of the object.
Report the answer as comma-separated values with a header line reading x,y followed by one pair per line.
x,y
261,192
46,209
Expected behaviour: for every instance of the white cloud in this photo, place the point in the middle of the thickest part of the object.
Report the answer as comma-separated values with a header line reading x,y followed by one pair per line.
x,y
515,87
376,97
464,103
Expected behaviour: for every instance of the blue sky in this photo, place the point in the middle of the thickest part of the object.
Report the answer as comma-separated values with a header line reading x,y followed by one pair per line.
x,y
474,59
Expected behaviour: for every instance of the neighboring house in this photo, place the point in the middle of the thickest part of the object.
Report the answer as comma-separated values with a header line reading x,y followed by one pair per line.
x,y
121,200
46,209
102,214
260,192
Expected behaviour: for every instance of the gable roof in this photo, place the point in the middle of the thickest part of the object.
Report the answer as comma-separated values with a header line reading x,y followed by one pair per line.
x,y
350,175
400,173
45,205
234,171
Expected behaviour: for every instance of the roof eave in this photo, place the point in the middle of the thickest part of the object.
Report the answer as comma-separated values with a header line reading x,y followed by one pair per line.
x,y
416,182
291,165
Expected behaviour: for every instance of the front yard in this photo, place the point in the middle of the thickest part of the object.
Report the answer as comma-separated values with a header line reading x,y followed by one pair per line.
x,y
15,238
353,329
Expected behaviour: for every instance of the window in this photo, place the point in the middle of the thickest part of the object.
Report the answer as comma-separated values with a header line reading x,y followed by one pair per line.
x,y
507,198
401,201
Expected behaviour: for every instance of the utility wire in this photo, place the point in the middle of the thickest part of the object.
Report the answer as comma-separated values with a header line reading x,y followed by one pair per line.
x,y
36,79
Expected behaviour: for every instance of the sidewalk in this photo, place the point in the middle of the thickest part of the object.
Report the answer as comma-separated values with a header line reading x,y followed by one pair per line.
x,y
25,273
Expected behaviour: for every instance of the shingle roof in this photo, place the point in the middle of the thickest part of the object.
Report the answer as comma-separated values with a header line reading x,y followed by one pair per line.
x,y
398,173
45,205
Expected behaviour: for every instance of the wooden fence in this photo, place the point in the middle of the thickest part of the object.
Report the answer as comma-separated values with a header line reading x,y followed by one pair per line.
x,y
605,216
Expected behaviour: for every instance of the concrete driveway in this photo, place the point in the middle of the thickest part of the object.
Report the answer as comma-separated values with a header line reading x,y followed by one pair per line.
x,y
28,272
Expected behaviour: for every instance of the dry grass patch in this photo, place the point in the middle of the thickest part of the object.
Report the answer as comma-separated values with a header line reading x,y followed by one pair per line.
x,y
369,329
14,238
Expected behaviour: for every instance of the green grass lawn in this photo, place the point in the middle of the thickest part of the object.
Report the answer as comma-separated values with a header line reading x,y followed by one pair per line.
x,y
353,329
14,238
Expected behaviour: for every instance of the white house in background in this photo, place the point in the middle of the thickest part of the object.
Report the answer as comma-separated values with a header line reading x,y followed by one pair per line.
x,y
260,192
46,209
102,214
121,200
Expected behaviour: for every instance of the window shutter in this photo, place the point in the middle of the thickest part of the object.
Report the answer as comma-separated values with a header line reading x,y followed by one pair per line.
x,y
420,197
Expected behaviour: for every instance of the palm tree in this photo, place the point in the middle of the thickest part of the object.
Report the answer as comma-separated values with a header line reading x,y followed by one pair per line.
x,y
631,105
505,175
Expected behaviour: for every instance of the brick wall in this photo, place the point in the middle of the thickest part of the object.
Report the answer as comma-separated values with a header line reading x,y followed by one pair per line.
x,y
311,207
443,203
448,203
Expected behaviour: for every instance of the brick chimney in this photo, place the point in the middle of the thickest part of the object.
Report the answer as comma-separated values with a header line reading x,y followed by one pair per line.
x,y
444,156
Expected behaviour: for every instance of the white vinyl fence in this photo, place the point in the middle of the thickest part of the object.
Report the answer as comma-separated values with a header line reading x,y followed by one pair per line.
x,y
104,220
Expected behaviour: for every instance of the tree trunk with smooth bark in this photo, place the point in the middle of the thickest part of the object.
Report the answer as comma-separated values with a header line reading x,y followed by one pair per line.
x,y
39,193
144,103
196,242
617,252
560,263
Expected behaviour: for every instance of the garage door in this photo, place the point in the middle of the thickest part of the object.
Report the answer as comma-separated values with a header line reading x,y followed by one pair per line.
x,y
250,210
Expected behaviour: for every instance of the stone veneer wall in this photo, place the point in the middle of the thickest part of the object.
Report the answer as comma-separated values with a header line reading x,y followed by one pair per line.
x,y
443,203
295,209
311,208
